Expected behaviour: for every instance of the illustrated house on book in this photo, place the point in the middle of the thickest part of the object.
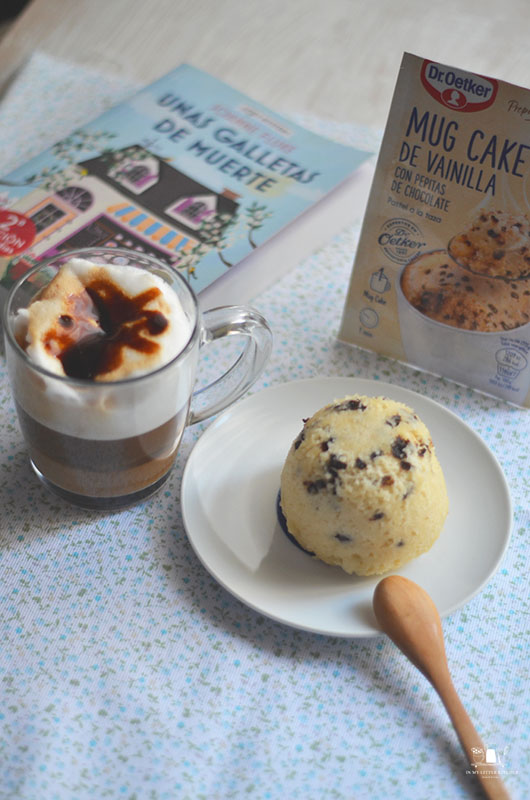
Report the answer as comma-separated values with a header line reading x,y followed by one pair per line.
x,y
124,198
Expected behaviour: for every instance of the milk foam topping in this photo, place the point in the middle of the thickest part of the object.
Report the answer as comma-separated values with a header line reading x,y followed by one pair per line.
x,y
84,300
105,323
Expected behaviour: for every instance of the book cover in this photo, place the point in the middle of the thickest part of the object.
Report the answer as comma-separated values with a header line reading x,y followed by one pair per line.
x,y
188,170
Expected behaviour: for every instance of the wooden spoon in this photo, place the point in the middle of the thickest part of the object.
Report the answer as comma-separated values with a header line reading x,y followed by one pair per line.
x,y
409,617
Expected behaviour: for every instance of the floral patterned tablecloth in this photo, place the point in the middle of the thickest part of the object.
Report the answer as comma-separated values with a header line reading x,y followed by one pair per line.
x,y
126,671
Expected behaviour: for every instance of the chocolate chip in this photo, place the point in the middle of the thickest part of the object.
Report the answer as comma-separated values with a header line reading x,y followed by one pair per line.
x,y
431,301
399,446
387,480
376,516
314,487
405,465
335,463
343,537
350,405
375,454
400,543
360,464
394,421
299,440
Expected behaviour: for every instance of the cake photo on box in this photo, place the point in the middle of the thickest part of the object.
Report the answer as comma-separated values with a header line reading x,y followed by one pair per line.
x,y
441,289
496,244
362,487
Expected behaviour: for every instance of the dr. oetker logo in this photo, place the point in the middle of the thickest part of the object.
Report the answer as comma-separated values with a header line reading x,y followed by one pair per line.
x,y
457,89
400,239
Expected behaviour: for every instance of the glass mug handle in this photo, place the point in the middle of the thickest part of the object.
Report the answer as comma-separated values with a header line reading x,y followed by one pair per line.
x,y
227,321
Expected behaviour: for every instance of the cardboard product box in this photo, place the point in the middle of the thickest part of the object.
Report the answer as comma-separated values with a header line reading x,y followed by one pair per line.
x,y
441,278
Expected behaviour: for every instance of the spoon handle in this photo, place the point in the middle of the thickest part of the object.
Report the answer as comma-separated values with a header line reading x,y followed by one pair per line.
x,y
407,614
490,780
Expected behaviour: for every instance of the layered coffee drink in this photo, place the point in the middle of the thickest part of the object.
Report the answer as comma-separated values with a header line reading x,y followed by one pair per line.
x,y
104,392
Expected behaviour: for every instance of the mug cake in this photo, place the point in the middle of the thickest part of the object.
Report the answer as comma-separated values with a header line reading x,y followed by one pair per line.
x,y
362,487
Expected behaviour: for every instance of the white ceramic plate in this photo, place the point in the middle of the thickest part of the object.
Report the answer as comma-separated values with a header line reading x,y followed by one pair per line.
x,y
229,491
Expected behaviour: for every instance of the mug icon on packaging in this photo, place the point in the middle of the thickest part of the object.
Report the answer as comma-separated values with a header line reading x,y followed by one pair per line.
x,y
102,348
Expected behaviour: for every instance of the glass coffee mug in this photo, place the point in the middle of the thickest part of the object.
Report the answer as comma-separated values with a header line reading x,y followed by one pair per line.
x,y
105,445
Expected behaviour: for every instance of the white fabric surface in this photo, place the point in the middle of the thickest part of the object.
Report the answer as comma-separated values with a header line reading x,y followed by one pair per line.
x,y
127,671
